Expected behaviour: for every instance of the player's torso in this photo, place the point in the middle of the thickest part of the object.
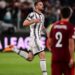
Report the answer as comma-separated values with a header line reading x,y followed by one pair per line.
x,y
60,37
36,28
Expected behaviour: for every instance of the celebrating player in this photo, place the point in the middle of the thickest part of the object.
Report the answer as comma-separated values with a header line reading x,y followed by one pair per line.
x,y
36,22
62,44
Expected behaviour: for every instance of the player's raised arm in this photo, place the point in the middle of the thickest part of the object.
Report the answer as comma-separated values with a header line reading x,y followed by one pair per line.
x,y
29,22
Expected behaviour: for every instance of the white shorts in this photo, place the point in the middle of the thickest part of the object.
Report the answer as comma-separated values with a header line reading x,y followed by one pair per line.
x,y
35,45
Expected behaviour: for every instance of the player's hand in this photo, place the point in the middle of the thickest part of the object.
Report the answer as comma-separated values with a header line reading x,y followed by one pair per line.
x,y
71,62
36,20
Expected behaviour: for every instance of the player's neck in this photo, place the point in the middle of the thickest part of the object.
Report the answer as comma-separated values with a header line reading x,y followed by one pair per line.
x,y
38,11
65,19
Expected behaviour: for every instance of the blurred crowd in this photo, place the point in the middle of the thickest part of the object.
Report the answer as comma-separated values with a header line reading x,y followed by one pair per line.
x,y
13,12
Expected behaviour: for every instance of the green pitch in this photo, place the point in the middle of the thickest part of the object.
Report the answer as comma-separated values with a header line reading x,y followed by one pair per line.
x,y
13,64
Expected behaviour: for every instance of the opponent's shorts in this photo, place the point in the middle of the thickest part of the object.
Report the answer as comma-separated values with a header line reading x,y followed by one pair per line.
x,y
35,45
60,68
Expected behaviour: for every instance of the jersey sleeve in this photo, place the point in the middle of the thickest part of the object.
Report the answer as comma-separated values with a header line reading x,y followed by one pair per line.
x,y
74,34
51,32
49,28
71,32
30,16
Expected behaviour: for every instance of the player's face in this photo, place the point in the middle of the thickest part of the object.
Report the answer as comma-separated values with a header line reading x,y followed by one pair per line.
x,y
40,6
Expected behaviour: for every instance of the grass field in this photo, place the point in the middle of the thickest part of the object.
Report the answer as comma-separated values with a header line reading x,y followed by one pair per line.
x,y
13,64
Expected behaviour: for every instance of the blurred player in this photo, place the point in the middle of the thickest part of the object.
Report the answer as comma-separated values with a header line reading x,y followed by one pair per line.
x,y
73,70
36,22
62,44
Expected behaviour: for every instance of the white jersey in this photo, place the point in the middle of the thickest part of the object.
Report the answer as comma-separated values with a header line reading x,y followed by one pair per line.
x,y
35,32
36,28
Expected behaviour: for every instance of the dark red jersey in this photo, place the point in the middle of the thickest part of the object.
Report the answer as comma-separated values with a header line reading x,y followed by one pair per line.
x,y
73,70
60,33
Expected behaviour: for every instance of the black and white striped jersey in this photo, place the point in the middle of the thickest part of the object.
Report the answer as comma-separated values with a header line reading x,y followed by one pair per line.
x,y
36,28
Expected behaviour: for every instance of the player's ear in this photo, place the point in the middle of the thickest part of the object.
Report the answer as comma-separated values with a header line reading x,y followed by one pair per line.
x,y
71,12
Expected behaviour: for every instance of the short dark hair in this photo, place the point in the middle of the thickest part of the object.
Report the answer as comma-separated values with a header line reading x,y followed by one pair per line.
x,y
66,12
37,2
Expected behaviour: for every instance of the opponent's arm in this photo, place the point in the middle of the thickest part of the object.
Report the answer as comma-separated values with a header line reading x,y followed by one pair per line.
x,y
49,43
71,50
49,38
